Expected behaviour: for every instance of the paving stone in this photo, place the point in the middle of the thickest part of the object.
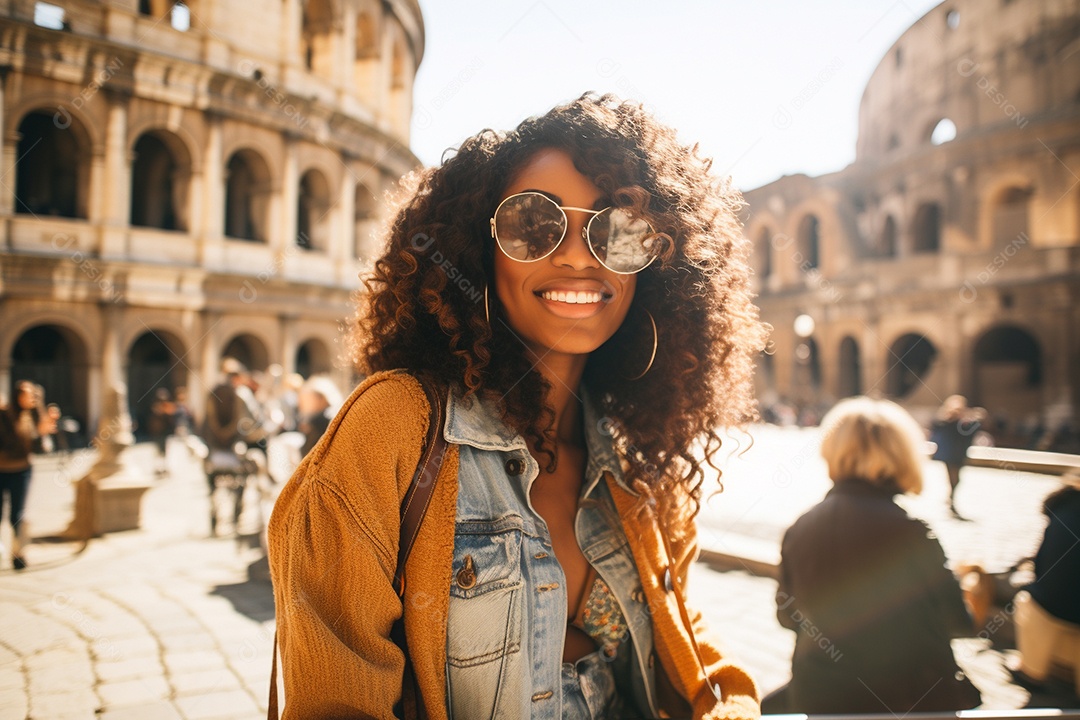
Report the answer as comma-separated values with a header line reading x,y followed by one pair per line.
x,y
160,710
203,681
59,671
27,633
76,704
174,642
14,704
133,692
181,662
130,648
211,706
129,669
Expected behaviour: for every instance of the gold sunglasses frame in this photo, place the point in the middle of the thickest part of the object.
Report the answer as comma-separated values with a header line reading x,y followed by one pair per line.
x,y
566,229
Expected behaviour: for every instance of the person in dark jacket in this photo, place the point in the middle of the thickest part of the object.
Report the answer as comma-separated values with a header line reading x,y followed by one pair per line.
x,y
865,586
952,433
1048,610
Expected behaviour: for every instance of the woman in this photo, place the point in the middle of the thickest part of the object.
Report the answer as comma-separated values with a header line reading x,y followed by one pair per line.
x,y
579,289
1048,609
865,586
25,428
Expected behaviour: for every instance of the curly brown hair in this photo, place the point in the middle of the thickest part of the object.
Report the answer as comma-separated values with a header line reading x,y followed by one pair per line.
x,y
424,308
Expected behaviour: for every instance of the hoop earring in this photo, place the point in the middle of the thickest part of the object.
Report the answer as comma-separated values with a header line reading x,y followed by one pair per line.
x,y
487,313
655,342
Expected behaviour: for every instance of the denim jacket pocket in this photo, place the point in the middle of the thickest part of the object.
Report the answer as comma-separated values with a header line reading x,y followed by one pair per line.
x,y
484,630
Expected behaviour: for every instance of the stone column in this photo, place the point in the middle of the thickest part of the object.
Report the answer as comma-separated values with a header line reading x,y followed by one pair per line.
x,y
283,237
114,193
8,156
209,187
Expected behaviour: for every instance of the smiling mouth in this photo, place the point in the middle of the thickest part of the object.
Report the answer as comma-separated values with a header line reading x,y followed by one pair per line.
x,y
579,297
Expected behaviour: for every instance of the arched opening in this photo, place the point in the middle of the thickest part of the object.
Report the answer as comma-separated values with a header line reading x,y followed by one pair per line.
x,y
763,253
944,131
249,350
155,360
809,239
886,245
158,184
367,45
313,358
313,212
397,67
850,368
247,190
50,173
926,229
55,358
1008,371
1010,216
910,358
365,213
180,17
317,37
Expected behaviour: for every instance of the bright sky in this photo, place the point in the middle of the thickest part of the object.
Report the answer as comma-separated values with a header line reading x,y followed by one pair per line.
x,y
767,88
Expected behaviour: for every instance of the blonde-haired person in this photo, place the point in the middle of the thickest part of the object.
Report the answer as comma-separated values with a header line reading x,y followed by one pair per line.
x,y
865,586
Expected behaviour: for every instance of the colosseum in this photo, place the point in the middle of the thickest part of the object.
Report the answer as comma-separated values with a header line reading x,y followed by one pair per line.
x,y
945,259
188,181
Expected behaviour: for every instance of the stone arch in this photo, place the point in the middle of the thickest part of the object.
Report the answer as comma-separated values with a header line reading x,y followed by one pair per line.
x,y
52,174
154,360
1005,209
1008,372
249,349
313,204
942,131
910,358
367,39
319,20
313,358
248,185
55,355
886,243
850,376
762,252
365,220
160,181
807,359
927,228
808,241
788,248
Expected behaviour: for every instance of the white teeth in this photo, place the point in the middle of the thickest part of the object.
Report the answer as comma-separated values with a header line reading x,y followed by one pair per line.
x,y
581,297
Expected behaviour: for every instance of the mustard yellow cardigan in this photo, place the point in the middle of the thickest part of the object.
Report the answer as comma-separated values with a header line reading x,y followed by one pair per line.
x,y
333,540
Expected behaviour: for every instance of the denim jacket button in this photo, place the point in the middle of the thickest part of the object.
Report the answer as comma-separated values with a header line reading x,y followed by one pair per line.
x,y
668,586
514,466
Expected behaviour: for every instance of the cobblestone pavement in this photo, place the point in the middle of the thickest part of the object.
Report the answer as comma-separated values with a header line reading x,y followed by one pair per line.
x,y
166,622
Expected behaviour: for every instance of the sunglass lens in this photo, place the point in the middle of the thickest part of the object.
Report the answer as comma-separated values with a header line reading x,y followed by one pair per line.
x,y
529,226
621,241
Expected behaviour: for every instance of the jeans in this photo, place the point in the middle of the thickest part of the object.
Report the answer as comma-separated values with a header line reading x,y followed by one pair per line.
x,y
15,485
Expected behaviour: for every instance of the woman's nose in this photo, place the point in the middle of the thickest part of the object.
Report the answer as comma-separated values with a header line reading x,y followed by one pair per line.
x,y
573,251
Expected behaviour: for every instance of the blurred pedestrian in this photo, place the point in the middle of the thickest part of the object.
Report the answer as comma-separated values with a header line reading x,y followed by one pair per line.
x,y
953,432
317,403
865,586
25,427
1048,610
183,419
160,425
233,415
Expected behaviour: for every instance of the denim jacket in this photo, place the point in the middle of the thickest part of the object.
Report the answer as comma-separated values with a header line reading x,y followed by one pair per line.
x,y
508,605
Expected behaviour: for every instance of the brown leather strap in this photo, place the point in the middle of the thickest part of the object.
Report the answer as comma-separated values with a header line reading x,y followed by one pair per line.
x,y
417,498
271,704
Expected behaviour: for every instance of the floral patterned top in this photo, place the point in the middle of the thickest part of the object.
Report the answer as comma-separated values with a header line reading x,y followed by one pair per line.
x,y
600,615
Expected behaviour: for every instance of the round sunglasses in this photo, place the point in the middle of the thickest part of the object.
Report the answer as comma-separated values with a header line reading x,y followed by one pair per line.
x,y
529,226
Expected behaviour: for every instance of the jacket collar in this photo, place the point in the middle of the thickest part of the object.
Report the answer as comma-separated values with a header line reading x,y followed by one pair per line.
x,y
476,421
